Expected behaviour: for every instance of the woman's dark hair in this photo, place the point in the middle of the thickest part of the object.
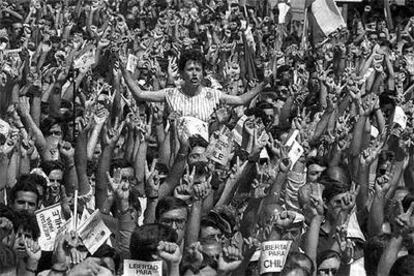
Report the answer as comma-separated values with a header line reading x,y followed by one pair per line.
x,y
325,255
167,204
105,251
332,188
295,257
51,165
28,222
47,124
287,269
145,239
193,55
403,266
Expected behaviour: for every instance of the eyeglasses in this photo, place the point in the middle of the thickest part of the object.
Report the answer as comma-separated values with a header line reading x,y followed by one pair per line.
x,y
326,271
170,222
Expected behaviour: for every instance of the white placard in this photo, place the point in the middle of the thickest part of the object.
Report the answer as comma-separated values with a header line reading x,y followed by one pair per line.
x,y
273,256
295,152
85,215
222,149
86,60
283,11
94,232
400,117
292,138
374,132
138,268
50,220
132,63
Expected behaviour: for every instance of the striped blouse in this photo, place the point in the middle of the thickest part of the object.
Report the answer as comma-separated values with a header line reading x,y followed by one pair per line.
x,y
200,106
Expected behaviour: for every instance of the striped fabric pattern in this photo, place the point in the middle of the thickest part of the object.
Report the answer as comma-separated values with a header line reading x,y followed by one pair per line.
x,y
324,18
200,106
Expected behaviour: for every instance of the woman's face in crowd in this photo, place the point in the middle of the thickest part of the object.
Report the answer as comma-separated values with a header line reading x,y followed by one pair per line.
x,y
192,73
56,131
329,267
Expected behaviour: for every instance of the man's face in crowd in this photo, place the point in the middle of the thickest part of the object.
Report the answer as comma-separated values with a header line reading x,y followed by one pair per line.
x,y
176,219
408,50
128,175
25,200
270,116
329,267
55,180
192,73
209,232
335,205
197,154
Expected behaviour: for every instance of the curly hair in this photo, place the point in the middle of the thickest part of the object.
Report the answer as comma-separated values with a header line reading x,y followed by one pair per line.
x,y
193,55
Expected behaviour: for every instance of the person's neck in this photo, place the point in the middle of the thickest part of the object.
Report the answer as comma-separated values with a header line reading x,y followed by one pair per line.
x,y
192,90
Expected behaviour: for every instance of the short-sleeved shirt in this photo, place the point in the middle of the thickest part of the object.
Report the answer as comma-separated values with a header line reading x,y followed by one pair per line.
x,y
200,106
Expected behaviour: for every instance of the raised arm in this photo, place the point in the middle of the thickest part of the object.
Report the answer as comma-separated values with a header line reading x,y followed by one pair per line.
x,y
242,99
139,95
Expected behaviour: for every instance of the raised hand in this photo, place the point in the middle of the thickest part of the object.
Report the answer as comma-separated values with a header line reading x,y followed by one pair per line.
x,y
172,68
382,185
101,115
115,181
194,255
237,168
169,252
67,151
111,136
259,189
202,190
401,222
152,178
185,190
316,201
32,250
349,200
229,260
284,219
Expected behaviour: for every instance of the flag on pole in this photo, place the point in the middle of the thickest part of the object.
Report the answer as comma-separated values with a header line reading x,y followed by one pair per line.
x,y
324,18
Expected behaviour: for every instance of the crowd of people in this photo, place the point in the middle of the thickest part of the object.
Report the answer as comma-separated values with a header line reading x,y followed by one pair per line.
x,y
204,137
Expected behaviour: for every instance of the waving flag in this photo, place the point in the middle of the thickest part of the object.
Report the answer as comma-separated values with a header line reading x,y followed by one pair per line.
x,y
324,18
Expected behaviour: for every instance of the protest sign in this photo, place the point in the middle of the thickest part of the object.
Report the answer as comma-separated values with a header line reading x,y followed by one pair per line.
x,y
219,149
85,60
295,152
50,220
273,256
132,63
137,268
400,117
94,232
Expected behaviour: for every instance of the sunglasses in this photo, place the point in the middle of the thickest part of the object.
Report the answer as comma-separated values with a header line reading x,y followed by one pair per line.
x,y
170,222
